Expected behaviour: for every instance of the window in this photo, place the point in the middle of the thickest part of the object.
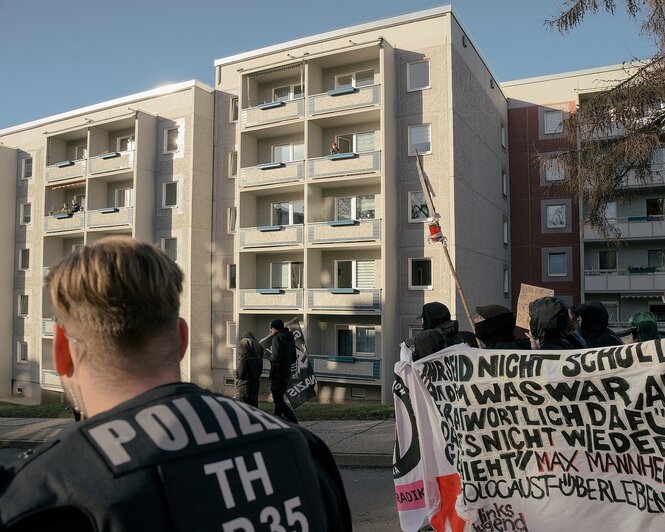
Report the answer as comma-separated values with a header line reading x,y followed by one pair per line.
x,y
655,207
363,78
288,213
418,209
656,258
24,259
556,265
657,309
233,164
286,153
503,136
288,92
413,330
231,334
356,339
124,197
26,168
504,184
125,143
417,76
26,213
553,168
355,207
170,247
170,195
23,305
552,122
171,139
355,142
607,260
233,109
80,151
505,232
612,308
286,275
355,274
556,216
420,274
365,340
230,276
420,138
231,219
22,352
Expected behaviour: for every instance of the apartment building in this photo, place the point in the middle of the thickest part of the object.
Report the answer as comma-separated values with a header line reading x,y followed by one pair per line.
x,y
140,166
338,238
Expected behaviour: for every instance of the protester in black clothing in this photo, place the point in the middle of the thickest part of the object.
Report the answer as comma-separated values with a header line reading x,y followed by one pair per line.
x,y
154,453
573,335
594,320
248,373
282,355
256,344
439,331
548,323
495,328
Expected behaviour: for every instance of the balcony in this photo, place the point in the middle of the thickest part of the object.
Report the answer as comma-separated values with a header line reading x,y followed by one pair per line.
x,y
270,236
344,99
269,299
48,326
269,113
51,380
362,299
344,231
632,227
111,162
270,173
64,222
65,170
344,164
109,217
631,280
360,368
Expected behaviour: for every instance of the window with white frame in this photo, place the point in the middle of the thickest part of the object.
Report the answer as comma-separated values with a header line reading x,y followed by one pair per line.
x,y
420,274
607,260
287,92
503,136
26,168
170,247
553,168
505,232
286,275
417,76
231,334
26,213
355,207
418,209
286,153
414,330
231,220
23,306
355,274
553,122
233,164
420,138
170,195
125,143
362,78
230,276
556,216
24,259
124,197
356,340
288,213
80,151
556,264
504,184
233,109
356,142
22,352
172,139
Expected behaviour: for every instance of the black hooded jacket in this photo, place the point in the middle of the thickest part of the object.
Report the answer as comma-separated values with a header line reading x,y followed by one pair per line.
x,y
548,322
497,333
439,331
593,326
282,355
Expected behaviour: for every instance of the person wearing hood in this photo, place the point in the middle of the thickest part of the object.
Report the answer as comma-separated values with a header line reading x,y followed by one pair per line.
x,y
282,355
439,331
248,373
256,344
594,319
495,326
548,323
644,327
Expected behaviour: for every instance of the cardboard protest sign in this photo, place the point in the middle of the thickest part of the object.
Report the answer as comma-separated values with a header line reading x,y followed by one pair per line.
x,y
529,293
543,441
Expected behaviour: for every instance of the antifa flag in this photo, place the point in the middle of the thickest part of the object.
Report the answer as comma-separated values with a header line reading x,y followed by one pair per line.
x,y
302,383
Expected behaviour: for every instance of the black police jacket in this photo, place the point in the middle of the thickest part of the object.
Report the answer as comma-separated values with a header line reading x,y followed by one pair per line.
x,y
177,458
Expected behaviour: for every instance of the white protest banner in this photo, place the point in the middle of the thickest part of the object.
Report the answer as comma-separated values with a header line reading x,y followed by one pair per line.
x,y
539,441
529,293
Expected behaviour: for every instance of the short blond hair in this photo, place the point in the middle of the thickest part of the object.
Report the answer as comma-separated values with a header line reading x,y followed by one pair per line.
x,y
119,291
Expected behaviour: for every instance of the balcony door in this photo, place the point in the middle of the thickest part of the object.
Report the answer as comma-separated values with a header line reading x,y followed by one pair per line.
x,y
286,275
355,274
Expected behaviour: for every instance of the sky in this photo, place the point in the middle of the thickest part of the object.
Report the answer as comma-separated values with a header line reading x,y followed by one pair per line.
x,y
60,55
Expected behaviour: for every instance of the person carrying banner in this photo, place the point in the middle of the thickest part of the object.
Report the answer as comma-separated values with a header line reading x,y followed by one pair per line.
x,y
548,323
248,373
439,331
495,326
594,320
282,355
152,452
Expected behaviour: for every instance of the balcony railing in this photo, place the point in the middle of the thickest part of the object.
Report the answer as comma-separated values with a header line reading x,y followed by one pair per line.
x,y
333,166
359,369
270,236
271,112
269,299
64,222
48,325
344,231
632,227
631,280
265,174
340,100
362,299
51,380
65,170
111,162
110,216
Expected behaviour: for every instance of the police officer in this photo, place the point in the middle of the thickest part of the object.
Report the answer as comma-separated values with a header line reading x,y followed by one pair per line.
x,y
154,453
